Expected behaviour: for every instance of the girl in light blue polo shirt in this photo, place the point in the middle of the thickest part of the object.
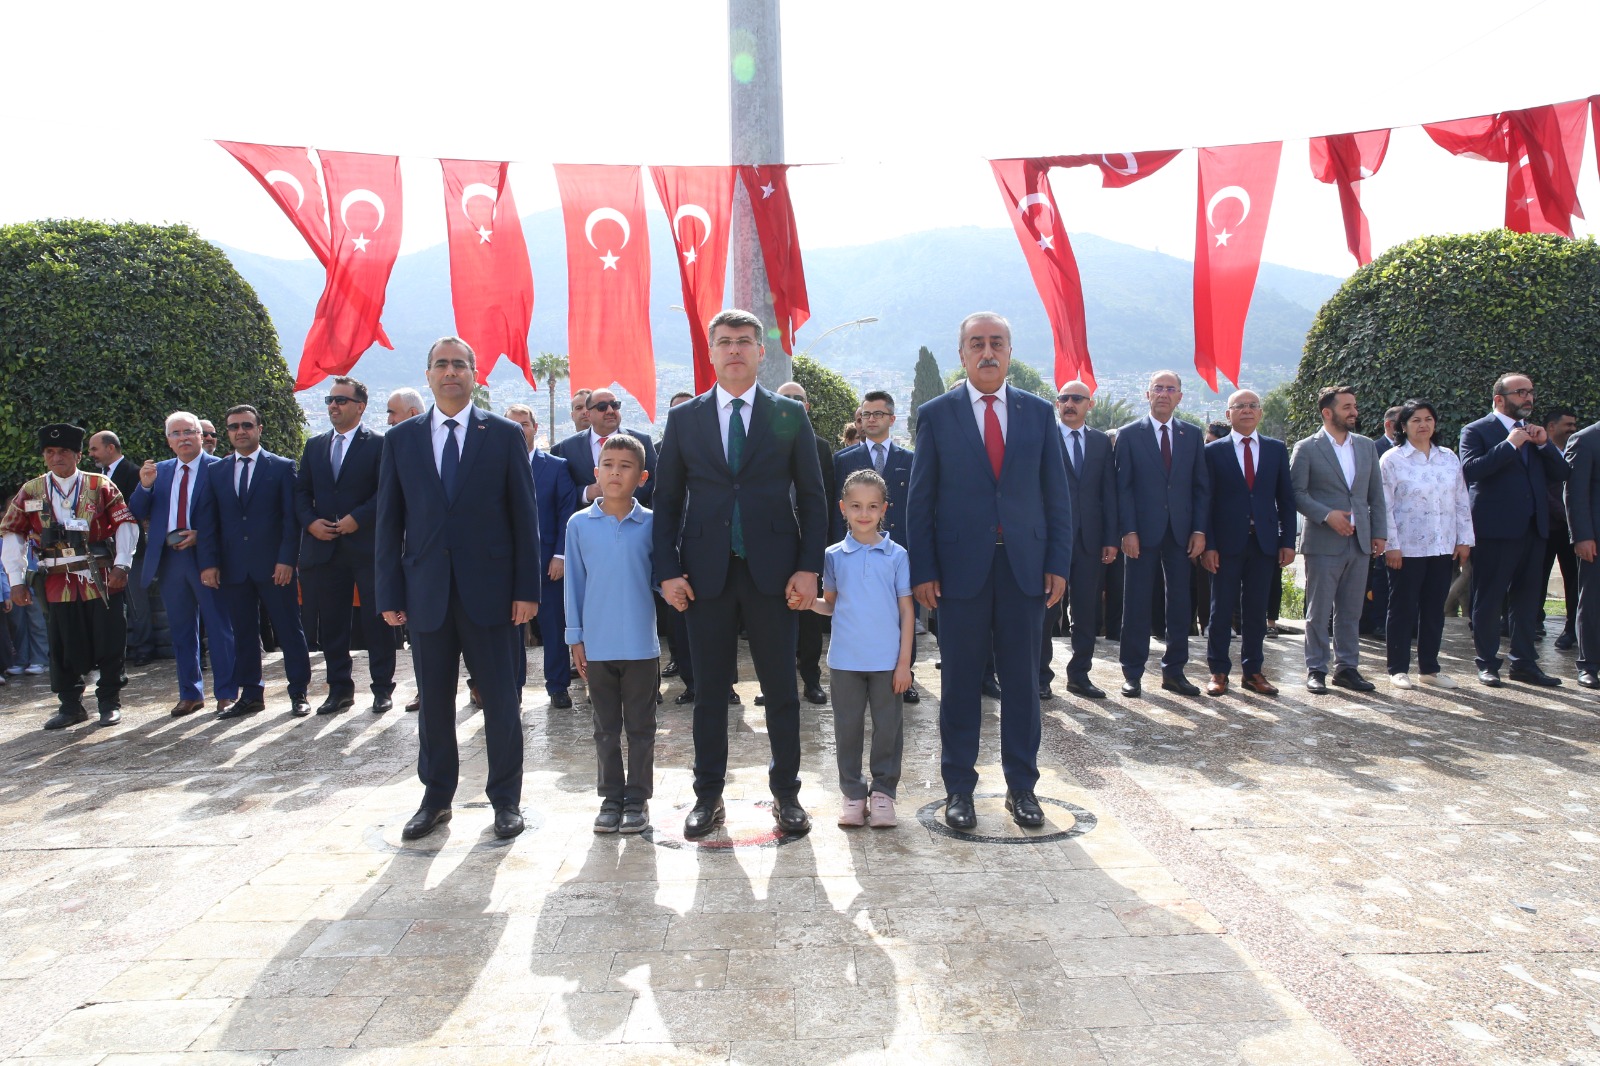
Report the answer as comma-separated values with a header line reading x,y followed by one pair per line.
x,y
867,583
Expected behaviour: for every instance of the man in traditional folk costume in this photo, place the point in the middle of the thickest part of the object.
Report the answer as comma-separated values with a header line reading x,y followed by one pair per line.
x,y
84,536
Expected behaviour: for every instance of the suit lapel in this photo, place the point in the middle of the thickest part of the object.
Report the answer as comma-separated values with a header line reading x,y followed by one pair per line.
x,y
763,409
477,429
967,427
1329,456
709,420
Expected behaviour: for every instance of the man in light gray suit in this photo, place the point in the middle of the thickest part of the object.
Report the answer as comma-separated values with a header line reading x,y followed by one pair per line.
x,y
1338,489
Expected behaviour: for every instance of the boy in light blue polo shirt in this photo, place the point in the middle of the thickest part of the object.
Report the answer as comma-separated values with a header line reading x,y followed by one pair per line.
x,y
867,588
611,628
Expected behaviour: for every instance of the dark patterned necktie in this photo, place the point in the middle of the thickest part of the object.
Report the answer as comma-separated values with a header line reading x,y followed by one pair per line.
x,y
1166,449
244,479
735,458
450,461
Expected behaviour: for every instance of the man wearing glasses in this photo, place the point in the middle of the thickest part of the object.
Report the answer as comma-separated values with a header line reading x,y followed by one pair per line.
x,y
1092,482
208,436
1507,462
336,503
582,449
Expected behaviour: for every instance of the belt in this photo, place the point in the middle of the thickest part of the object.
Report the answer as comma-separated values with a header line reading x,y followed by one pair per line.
x,y
72,564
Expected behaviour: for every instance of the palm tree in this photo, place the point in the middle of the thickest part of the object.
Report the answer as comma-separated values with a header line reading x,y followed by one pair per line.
x,y
480,396
550,368
1109,414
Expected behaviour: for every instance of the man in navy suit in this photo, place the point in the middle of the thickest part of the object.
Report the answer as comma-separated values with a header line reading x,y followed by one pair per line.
x,y
1164,503
740,531
172,497
457,547
582,449
1250,537
558,499
876,451
336,501
1507,462
989,518
1092,480
248,549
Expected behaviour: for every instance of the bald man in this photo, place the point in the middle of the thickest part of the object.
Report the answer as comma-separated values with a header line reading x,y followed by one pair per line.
x,y
1092,483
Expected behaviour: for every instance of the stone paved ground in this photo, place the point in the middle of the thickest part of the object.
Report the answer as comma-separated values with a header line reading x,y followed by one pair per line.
x,y
1261,881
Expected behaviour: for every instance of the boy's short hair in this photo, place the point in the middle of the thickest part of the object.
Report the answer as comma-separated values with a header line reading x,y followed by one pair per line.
x,y
624,442
865,476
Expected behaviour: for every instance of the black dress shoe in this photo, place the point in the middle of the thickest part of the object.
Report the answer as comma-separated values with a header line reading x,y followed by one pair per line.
x,y
911,695
958,812
241,708
761,699
1532,675
1588,679
790,816
425,821
415,705
299,706
561,701
1489,678
991,689
685,697
1045,694
1316,682
1351,679
671,669
1566,641
1087,689
733,698
706,816
1131,688
1180,684
144,658
507,822
336,704
110,715
814,694
382,704
1025,809
66,716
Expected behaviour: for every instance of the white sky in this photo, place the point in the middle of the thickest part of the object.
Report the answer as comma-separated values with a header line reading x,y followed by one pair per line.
x,y
108,110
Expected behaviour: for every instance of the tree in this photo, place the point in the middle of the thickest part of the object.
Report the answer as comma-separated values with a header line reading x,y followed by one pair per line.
x,y
1275,412
114,325
833,401
550,368
480,397
1108,414
1441,318
1020,375
927,385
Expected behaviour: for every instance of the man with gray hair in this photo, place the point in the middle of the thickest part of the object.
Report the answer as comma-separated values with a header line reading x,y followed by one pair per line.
x,y
405,403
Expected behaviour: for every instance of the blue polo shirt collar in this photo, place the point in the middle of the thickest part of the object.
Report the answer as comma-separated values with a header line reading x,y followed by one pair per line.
x,y
851,544
596,510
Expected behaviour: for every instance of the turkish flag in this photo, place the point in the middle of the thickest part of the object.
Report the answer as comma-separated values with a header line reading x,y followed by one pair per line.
x,y
1118,170
364,232
491,280
768,189
1343,160
608,280
1235,201
699,201
1541,183
1025,186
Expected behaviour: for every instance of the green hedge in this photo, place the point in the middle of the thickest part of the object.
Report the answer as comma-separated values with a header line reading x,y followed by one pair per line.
x,y
833,401
114,325
1441,317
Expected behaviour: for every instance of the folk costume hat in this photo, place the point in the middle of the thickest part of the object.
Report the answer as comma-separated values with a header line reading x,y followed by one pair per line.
x,y
61,435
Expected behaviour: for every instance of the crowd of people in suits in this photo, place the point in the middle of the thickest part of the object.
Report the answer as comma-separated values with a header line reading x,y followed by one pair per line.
x,y
1007,522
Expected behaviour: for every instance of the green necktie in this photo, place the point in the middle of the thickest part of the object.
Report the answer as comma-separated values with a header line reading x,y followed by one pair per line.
x,y
735,458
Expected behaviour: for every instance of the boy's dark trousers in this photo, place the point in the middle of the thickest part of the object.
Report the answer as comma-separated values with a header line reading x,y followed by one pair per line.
x,y
623,693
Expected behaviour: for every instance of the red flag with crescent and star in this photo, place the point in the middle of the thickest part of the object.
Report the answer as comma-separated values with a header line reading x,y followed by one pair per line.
x,y
699,203
1541,182
1235,201
364,230
768,188
1344,160
1118,170
608,280
491,280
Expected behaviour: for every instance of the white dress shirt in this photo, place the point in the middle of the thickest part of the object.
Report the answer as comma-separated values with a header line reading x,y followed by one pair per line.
x,y
1255,449
979,408
239,467
725,411
463,419
1346,454
177,483
1430,511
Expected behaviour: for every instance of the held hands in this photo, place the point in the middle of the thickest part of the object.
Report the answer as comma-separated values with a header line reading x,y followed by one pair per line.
x,y
523,611
1055,586
1130,545
927,594
677,592
147,474
580,661
801,592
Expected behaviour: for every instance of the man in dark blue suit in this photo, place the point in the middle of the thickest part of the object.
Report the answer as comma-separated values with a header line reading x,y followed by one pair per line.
x,y
740,530
172,497
1507,463
582,449
1164,502
248,548
457,547
989,518
558,499
336,500
1092,480
1250,537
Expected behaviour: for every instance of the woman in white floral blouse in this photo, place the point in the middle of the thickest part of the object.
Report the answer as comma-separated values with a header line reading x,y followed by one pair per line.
x,y
1430,521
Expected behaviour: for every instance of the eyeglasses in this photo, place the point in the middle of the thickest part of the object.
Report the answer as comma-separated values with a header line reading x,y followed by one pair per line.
x,y
457,365
340,400
186,433
210,434
1517,392
723,344
237,427
1164,390
1070,397
877,414
1244,407
606,405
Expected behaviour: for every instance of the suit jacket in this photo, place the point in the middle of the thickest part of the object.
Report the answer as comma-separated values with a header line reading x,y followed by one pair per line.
x,y
355,493
1320,487
484,542
1506,492
1094,492
1583,487
557,498
126,477
248,536
697,490
579,454
1152,500
896,473
1239,513
152,504
1382,444
956,508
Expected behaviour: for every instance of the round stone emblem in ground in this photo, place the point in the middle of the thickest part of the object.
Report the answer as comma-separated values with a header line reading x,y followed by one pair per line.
x,y
464,832
996,827
749,825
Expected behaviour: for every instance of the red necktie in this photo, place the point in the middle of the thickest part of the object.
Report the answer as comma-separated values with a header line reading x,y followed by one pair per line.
x,y
183,499
993,442
1249,467
1166,449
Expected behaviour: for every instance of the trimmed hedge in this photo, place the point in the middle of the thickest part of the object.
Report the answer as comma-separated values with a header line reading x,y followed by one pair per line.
x,y
114,325
833,401
1441,318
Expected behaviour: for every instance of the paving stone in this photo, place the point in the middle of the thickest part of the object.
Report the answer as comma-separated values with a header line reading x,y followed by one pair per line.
x,y
289,1022
107,1027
